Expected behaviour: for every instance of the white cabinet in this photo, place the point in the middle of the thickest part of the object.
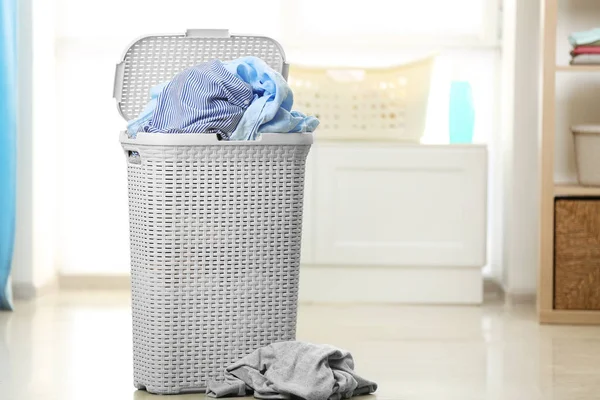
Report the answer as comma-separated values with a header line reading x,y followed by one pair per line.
x,y
394,223
399,205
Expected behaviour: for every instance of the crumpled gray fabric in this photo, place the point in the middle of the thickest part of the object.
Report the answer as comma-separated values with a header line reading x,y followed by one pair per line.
x,y
287,370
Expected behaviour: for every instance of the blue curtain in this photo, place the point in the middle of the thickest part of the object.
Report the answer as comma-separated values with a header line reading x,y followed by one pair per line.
x,y
8,143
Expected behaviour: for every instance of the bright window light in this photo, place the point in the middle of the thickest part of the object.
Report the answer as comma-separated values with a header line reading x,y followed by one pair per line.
x,y
91,36
342,18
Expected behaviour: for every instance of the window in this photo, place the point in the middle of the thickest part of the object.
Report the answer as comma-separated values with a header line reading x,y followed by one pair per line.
x,y
385,23
91,36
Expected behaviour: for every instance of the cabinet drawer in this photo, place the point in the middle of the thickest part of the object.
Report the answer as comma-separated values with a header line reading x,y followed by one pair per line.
x,y
577,254
413,206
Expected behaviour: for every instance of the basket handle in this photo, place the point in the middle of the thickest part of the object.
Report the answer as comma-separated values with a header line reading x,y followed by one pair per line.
x,y
208,33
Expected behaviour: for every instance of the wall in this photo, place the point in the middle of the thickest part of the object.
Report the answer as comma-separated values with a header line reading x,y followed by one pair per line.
x,y
517,213
33,263
577,96
576,99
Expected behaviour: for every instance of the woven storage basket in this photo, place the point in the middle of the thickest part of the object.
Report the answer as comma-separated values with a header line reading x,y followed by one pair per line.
x,y
215,226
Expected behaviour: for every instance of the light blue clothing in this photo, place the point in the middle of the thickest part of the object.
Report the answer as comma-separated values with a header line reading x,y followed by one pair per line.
x,y
206,98
8,144
238,99
271,109
584,37
135,125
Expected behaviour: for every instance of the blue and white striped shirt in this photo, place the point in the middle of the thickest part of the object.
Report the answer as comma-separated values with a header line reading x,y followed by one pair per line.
x,y
206,98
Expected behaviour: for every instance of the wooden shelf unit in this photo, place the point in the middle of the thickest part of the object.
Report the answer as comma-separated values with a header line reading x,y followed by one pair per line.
x,y
578,68
576,191
549,190
574,317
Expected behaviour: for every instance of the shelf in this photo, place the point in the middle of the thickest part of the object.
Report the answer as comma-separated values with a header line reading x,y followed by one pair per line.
x,y
569,317
578,68
575,191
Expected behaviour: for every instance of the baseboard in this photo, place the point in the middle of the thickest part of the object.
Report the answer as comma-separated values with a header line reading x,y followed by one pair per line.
x,y
492,290
94,282
520,296
525,297
28,291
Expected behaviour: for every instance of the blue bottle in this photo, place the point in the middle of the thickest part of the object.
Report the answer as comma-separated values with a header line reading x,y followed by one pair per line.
x,y
462,113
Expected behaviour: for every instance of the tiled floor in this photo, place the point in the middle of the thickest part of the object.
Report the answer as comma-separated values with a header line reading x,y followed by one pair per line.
x,y
78,346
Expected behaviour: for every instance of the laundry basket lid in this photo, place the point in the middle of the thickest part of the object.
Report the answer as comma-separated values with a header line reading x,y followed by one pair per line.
x,y
156,59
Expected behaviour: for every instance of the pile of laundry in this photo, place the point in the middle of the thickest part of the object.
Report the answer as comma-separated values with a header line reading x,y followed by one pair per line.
x,y
586,47
293,370
237,100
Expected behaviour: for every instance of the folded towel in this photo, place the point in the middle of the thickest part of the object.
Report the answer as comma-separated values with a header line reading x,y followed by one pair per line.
x,y
585,50
586,59
584,37
288,370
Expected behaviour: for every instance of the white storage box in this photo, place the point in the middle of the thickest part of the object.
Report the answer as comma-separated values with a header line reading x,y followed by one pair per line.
x,y
587,153
215,226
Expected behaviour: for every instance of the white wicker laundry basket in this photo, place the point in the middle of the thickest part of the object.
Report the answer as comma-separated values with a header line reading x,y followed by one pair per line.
x,y
215,226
